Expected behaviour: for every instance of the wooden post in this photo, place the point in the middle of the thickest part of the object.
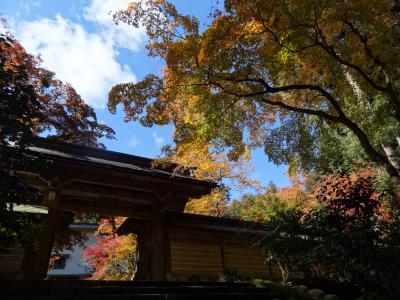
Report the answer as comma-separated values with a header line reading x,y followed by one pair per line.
x,y
222,253
36,261
143,234
158,244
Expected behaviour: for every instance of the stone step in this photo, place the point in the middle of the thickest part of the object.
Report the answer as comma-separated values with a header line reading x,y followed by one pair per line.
x,y
71,291
186,296
91,290
101,283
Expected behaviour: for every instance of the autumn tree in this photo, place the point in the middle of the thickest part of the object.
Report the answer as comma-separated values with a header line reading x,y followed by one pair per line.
x,y
113,257
58,110
264,206
19,110
350,192
214,204
33,102
256,208
264,64
348,239
200,160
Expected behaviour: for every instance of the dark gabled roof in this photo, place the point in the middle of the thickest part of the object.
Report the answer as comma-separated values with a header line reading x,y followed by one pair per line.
x,y
187,220
52,149
209,223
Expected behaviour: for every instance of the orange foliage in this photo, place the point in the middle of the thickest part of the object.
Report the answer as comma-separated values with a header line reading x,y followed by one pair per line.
x,y
353,193
62,110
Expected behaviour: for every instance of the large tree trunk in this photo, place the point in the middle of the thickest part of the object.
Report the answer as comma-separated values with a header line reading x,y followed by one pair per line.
x,y
394,159
392,165
390,152
377,157
395,182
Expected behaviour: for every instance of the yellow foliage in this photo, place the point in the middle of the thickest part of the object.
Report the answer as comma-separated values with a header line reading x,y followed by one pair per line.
x,y
207,164
211,205
296,194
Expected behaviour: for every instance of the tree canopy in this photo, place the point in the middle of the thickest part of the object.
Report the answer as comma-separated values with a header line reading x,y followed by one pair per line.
x,y
264,65
60,111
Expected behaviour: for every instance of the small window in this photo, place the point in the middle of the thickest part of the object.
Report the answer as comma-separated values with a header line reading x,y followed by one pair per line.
x,y
57,261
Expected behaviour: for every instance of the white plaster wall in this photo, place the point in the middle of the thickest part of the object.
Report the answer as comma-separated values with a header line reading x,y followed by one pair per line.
x,y
75,264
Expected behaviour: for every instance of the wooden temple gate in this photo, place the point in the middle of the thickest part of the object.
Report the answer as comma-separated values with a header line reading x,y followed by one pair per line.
x,y
110,183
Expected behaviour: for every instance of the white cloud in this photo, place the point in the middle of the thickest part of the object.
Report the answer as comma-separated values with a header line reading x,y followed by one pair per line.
x,y
133,142
86,61
157,139
101,11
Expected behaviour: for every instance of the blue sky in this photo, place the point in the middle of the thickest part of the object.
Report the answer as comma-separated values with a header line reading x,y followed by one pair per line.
x,y
79,42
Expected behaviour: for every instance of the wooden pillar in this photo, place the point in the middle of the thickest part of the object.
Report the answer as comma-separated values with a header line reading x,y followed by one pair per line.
x,y
158,244
143,234
36,260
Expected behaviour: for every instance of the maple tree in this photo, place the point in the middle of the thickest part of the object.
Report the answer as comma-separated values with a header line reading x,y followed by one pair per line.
x,y
113,257
18,108
64,114
353,193
264,63
203,162
213,204
33,102
199,159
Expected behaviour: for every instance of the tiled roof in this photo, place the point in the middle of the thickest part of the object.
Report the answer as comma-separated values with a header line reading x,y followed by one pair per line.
x,y
56,150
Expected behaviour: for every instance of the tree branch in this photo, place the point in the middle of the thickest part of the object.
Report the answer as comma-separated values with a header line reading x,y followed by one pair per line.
x,y
341,118
320,113
330,50
364,41
273,90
